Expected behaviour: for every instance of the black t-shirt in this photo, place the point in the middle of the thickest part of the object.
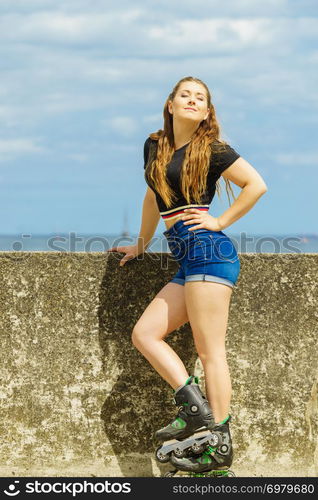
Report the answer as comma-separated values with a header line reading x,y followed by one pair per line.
x,y
222,158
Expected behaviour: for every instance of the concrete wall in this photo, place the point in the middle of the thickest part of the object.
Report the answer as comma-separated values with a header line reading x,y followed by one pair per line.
x,y
78,399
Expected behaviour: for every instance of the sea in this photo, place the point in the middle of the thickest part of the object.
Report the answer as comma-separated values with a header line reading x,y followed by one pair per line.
x,y
76,242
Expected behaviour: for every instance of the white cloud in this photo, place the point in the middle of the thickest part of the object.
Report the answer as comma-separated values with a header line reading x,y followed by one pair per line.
x,y
64,28
9,115
220,34
19,146
153,32
123,125
188,7
121,61
10,149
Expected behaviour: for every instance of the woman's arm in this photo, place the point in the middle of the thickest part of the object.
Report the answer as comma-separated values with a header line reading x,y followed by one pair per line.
x,y
149,222
253,187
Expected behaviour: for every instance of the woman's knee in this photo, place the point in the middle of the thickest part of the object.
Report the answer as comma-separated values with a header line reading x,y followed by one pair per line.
x,y
140,336
137,337
215,357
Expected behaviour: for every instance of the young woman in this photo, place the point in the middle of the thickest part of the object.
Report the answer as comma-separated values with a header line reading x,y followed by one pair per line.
x,y
183,163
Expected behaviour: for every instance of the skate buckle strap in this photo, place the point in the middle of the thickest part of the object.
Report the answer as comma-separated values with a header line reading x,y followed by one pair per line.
x,y
179,423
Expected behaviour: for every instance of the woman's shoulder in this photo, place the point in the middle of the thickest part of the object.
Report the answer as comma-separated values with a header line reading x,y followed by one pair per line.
x,y
151,140
150,143
222,156
150,148
221,147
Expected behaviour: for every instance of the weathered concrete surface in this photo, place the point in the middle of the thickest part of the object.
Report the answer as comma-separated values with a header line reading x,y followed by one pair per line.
x,y
78,399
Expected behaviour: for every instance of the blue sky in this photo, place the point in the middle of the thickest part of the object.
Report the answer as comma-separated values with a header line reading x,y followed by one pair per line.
x,y
83,83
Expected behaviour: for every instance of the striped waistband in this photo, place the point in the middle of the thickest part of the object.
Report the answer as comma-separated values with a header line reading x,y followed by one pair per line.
x,y
173,213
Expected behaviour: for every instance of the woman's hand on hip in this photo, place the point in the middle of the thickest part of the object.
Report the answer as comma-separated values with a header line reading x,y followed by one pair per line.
x,y
203,219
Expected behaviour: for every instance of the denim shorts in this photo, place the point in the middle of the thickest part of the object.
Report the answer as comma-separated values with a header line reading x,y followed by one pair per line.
x,y
203,255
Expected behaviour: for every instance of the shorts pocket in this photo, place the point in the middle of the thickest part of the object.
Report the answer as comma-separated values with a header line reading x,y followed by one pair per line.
x,y
223,249
178,247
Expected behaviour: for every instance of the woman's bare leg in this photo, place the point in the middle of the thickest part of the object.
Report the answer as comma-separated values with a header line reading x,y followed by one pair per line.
x,y
165,313
207,306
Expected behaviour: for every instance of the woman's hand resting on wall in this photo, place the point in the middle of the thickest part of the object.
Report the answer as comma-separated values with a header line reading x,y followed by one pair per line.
x,y
130,252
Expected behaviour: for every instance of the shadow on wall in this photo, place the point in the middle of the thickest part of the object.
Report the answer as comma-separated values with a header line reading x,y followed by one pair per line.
x,y
140,401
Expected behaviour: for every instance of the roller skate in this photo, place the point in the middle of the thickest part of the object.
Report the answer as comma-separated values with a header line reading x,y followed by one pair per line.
x,y
215,459
191,429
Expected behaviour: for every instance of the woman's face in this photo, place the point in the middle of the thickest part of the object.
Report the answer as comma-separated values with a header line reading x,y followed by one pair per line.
x,y
190,102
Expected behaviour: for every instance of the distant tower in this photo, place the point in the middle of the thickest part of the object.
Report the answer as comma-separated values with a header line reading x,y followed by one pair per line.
x,y
125,231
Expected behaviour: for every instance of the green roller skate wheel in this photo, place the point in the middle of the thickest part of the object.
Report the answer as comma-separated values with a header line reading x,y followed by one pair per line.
x,y
213,473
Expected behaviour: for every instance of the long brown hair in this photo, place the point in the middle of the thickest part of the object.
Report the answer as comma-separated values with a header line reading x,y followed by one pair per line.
x,y
197,157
